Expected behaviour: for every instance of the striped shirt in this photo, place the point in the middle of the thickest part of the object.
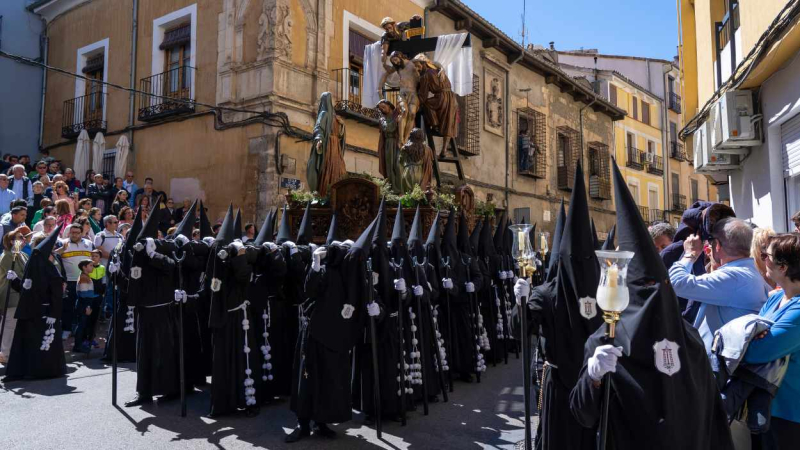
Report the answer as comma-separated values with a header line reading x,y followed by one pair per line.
x,y
74,254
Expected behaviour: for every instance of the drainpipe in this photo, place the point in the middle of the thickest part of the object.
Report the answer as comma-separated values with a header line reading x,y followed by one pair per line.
x,y
508,126
44,48
580,114
664,133
132,100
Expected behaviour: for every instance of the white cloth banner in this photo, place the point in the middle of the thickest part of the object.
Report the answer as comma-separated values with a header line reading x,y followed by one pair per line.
x,y
373,71
456,60
450,53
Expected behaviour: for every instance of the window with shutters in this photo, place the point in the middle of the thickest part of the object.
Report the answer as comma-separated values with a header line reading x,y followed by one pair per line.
x,y
599,171
695,191
645,112
532,143
469,118
568,142
635,107
612,93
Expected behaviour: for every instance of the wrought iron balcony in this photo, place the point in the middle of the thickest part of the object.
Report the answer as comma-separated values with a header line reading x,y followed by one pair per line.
x,y
658,215
645,212
166,94
677,151
636,158
83,113
655,164
675,102
678,203
599,188
348,95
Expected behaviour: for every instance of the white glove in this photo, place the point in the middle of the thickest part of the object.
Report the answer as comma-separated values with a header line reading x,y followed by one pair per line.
x,y
375,278
270,246
373,309
223,254
522,289
180,296
292,247
150,247
113,267
502,275
447,283
11,275
181,239
209,240
417,290
138,246
400,285
238,246
313,247
50,320
603,361
510,275
317,257
469,286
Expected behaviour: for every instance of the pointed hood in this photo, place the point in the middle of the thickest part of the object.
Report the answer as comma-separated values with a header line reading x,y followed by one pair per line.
x,y
364,242
45,248
226,232
463,235
594,236
664,363
305,234
485,248
415,245
186,227
449,240
399,236
331,231
475,237
609,243
508,239
284,232
499,234
434,234
554,250
237,225
379,234
205,224
150,228
266,231
133,233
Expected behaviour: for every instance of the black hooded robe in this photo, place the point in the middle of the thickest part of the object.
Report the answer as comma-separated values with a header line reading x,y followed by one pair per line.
x,y
196,337
153,293
44,298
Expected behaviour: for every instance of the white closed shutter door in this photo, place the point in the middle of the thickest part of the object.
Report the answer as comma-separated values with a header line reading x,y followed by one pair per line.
x,y
790,143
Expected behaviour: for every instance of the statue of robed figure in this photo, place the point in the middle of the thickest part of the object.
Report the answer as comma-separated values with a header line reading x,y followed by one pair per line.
x,y
326,162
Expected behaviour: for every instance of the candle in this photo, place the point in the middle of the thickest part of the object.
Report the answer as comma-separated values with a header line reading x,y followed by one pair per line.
x,y
543,243
521,237
610,295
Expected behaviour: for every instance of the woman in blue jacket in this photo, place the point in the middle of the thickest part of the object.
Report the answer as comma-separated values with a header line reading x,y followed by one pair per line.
x,y
782,260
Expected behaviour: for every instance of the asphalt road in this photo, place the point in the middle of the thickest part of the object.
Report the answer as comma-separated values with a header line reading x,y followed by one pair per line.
x,y
76,412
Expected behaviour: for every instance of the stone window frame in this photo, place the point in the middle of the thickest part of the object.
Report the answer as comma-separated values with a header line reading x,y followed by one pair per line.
x,y
168,22
84,54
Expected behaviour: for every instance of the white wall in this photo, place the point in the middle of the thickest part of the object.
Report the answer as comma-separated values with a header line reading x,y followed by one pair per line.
x,y
633,69
758,191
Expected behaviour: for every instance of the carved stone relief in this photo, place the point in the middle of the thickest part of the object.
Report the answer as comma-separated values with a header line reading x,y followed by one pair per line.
x,y
274,31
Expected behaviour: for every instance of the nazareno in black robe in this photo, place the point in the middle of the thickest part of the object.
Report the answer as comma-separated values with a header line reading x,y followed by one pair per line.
x,y
152,292
196,334
334,319
235,362
41,299
663,393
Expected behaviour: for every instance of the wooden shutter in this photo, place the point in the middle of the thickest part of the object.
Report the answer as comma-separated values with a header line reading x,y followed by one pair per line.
x,y
635,107
612,93
645,112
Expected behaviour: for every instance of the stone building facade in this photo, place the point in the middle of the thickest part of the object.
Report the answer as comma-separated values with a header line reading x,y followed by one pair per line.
x,y
278,57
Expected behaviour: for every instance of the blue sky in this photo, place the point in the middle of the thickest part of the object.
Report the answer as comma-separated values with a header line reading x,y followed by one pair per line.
x,y
646,28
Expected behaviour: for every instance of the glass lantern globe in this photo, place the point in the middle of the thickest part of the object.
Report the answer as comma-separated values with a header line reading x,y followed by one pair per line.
x,y
612,292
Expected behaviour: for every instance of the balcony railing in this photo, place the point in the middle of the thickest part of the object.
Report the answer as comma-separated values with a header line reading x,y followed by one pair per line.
x,y
635,158
645,212
348,95
677,151
655,164
678,202
167,93
83,113
599,187
675,102
658,215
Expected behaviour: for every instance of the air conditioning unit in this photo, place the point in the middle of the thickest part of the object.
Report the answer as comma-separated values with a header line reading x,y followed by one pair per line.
x,y
706,161
735,125
649,157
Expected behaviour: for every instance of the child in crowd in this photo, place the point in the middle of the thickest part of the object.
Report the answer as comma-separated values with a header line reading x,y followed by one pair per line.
x,y
83,307
98,276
